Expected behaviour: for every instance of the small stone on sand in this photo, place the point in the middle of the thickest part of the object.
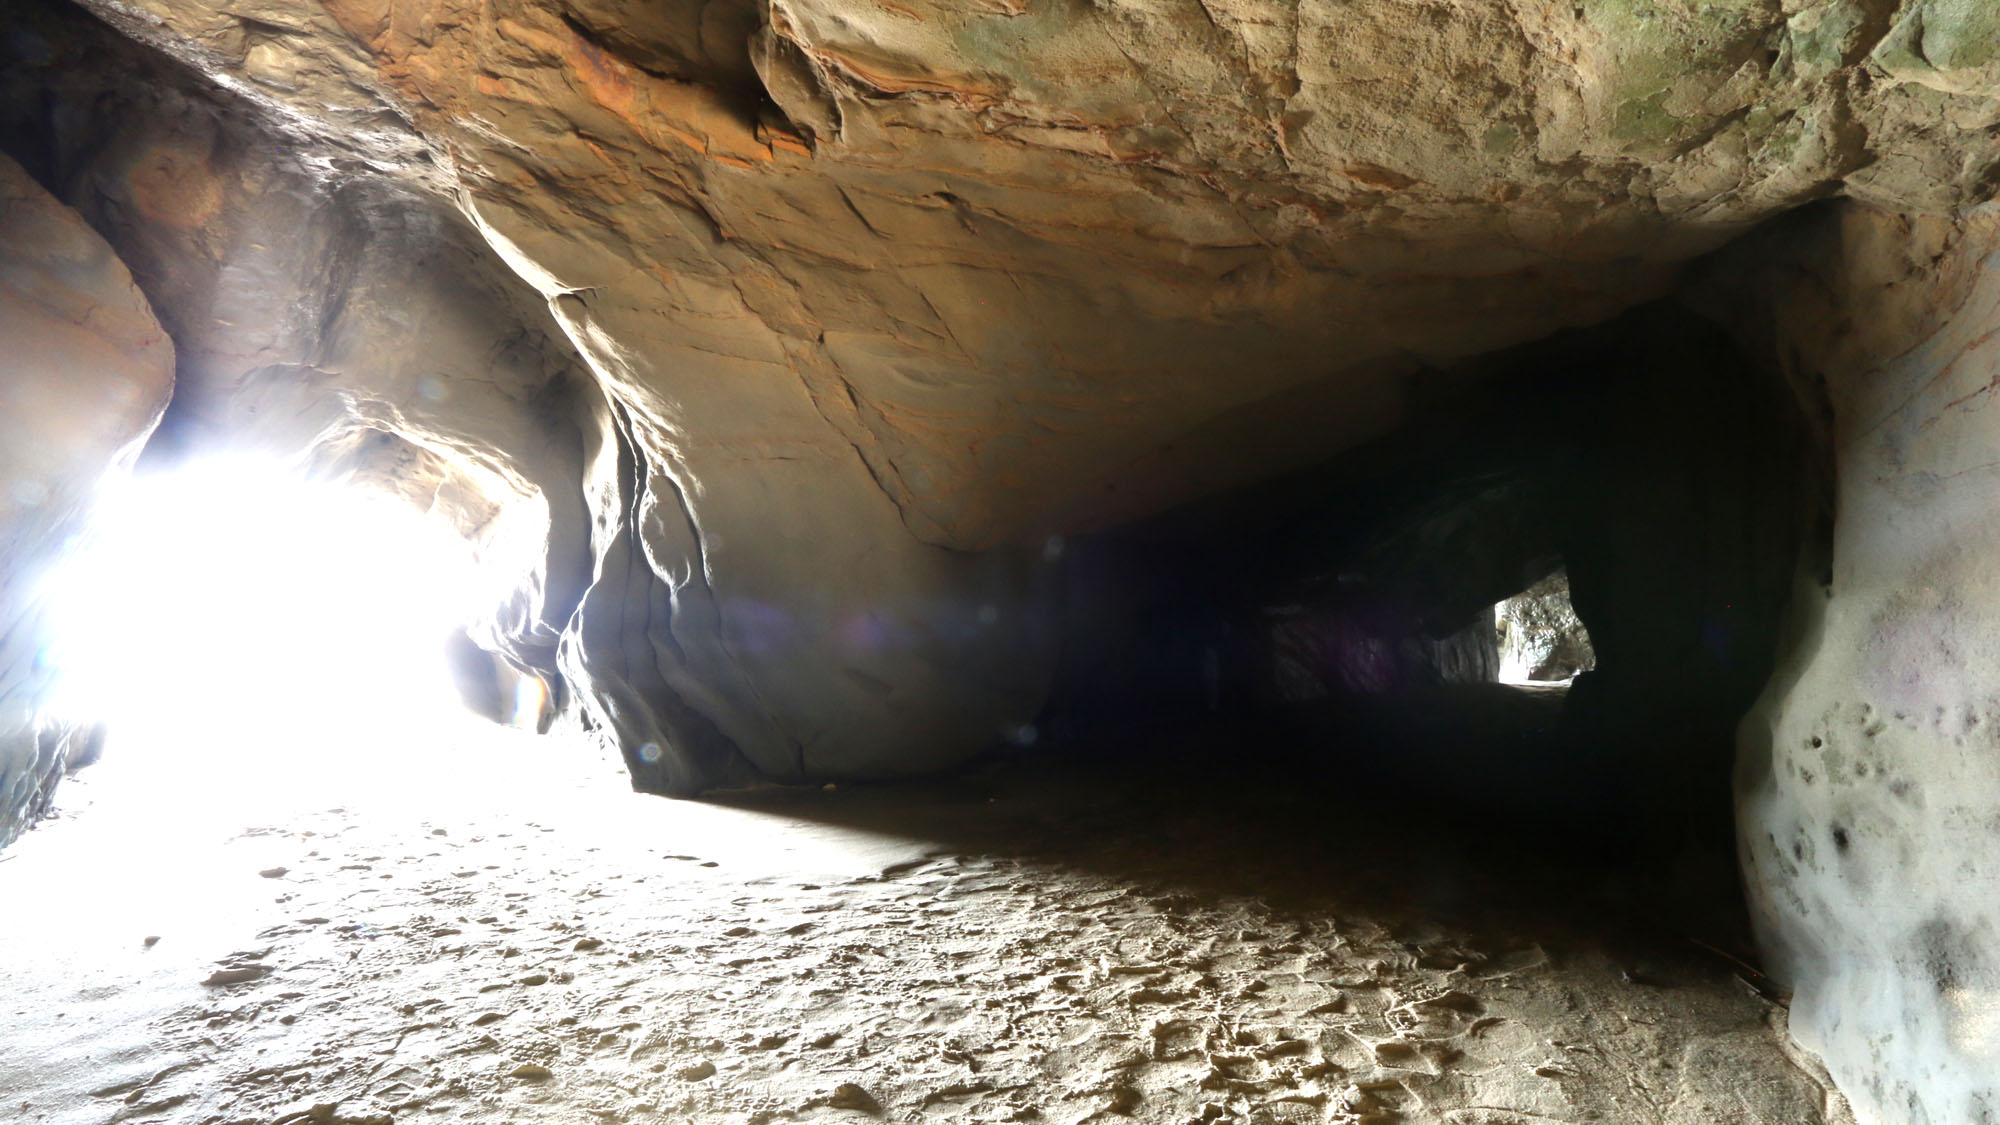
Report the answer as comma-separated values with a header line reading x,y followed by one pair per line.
x,y
849,1096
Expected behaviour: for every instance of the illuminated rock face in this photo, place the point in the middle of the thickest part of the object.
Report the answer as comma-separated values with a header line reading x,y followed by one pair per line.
x,y
1869,778
85,371
1001,269
1541,638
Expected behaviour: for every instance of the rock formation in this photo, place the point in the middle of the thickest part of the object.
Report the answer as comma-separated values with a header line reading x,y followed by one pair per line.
x,y
1540,636
86,375
781,360
879,299
1868,802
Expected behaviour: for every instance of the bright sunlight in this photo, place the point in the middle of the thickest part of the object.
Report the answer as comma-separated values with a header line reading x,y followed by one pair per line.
x,y
233,622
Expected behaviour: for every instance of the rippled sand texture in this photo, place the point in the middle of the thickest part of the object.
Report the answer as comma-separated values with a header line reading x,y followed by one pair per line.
x,y
1024,943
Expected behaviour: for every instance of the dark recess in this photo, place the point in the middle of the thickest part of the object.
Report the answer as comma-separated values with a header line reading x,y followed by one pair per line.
x,y
1650,457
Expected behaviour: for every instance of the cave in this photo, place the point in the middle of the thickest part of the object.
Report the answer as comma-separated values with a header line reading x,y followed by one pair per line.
x,y
1214,561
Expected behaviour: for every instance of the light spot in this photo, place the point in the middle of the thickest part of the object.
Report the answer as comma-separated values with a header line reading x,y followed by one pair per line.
x,y
1974,1021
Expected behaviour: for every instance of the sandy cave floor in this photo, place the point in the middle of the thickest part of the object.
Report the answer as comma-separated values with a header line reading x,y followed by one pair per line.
x,y
498,931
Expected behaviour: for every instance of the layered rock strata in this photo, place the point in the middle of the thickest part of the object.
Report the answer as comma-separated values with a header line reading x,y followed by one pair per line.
x,y
774,352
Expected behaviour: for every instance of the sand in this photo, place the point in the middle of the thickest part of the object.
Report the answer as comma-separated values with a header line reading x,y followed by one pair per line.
x,y
497,931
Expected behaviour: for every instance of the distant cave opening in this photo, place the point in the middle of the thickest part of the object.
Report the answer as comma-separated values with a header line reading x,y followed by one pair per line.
x,y
1541,640
1540,595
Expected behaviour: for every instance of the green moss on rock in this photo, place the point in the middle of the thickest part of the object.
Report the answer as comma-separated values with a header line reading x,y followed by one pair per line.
x,y
1657,47
1949,45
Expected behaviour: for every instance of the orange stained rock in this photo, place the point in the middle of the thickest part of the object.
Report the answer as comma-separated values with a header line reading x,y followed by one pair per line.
x,y
662,112
365,20
776,138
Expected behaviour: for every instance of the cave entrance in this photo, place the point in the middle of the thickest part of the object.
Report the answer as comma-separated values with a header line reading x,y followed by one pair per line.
x,y
245,634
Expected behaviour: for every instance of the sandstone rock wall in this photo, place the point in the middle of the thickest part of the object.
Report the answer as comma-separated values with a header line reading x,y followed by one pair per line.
x,y
85,371
1869,773
737,625
1040,266
873,300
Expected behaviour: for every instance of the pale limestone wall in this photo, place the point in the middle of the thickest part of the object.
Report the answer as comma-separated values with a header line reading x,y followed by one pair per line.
x,y
1869,773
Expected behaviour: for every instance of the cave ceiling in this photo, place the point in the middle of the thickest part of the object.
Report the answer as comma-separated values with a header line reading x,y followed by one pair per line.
x,y
1032,266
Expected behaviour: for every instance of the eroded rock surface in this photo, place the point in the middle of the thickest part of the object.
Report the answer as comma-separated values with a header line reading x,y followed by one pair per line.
x,y
85,375
990,261
877,299
1867,788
